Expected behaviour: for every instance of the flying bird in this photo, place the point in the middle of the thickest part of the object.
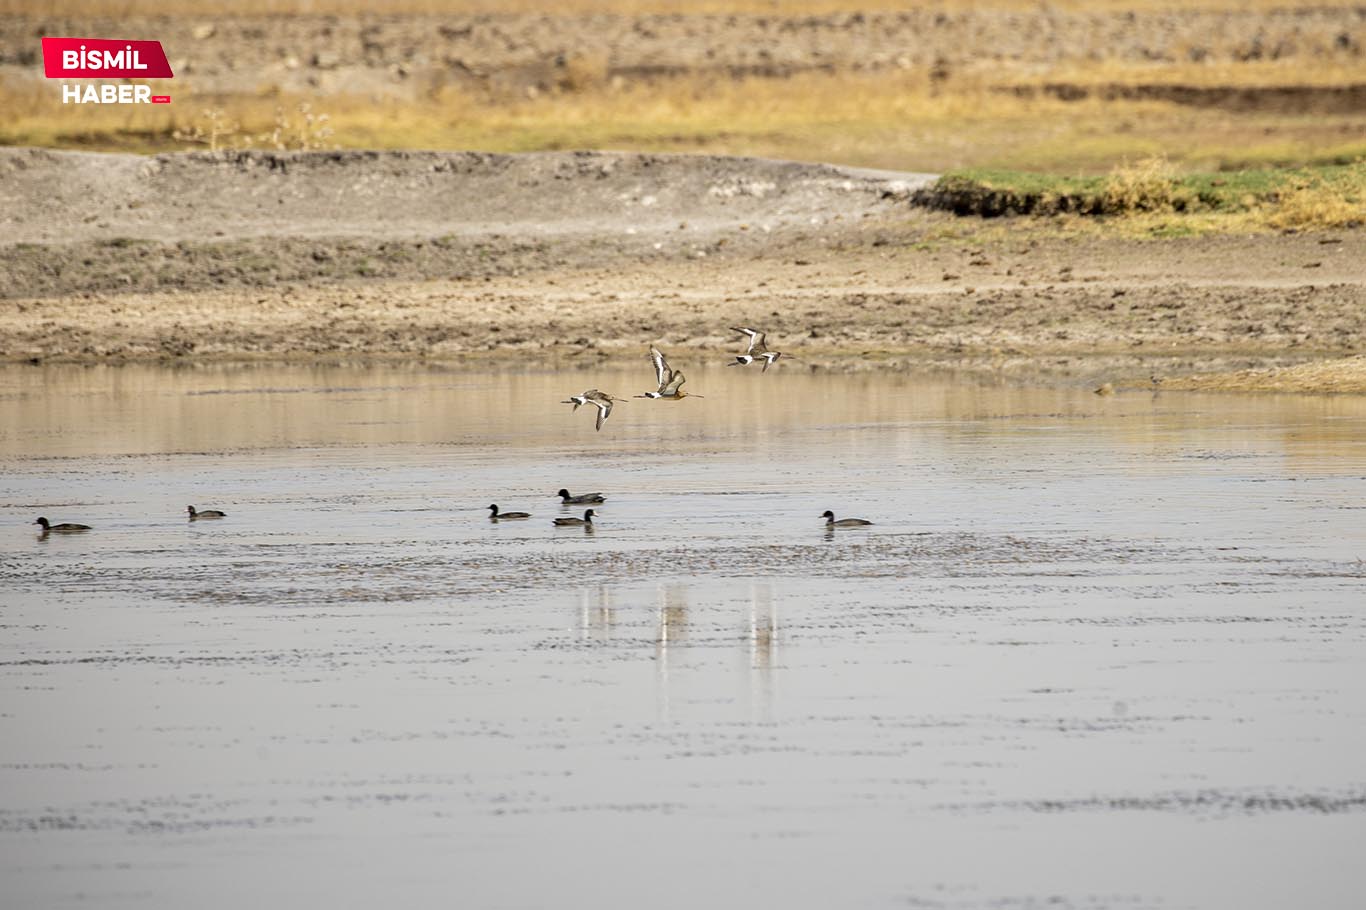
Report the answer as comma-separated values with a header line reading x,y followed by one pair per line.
x,y
670,381
600,400
756,350
603,402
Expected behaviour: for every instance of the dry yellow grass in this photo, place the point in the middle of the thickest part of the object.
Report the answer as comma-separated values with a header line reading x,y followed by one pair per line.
x,y
1148,185
191,8
893,120
1315,203
1325,376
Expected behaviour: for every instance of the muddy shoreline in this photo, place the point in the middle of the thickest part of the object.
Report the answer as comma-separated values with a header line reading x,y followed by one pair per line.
x,y
1058,307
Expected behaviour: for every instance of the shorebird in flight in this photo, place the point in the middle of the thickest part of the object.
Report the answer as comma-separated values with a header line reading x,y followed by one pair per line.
x,y
757,350
670,381
600,400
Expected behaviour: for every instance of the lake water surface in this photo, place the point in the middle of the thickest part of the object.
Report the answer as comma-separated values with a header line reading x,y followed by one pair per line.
x,y
1094,651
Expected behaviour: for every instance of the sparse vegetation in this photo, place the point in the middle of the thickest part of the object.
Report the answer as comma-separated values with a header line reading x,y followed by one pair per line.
x,y
897,121
1331,199
1304,198
303,131
1149,185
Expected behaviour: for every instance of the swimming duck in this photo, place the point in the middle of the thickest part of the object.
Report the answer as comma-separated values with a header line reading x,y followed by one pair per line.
x,y
843,522
64,528
582,499
670,381
496,515
207,513
757,350
587,519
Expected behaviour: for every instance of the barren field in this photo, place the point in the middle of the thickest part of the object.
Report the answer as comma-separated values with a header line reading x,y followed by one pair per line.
x,y
404,55
1057,87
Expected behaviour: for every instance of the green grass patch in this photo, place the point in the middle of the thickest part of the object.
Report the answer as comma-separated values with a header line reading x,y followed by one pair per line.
x,y
1327,195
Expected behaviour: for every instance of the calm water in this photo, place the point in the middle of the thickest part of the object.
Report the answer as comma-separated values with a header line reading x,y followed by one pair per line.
x,y
1095,652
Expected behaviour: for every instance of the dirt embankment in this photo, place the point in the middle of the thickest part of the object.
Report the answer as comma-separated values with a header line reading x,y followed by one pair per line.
x,y
567,256
66,197
78,222
409,56
1347,375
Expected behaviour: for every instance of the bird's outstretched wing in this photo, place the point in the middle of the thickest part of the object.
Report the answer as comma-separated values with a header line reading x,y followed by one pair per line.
x,y
676,381
663,375
604,409
756,340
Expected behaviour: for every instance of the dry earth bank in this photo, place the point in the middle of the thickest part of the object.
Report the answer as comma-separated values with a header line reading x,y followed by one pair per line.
x,y
1346,375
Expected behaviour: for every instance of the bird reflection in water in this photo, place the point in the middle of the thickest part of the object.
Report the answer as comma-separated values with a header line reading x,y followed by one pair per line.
x,y
671,628
597,616
762,643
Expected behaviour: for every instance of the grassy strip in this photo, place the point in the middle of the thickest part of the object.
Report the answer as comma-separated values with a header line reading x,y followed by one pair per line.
x,y
1307,197
900,120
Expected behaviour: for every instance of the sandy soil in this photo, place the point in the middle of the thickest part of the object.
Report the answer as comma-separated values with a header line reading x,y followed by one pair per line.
x,y
564,256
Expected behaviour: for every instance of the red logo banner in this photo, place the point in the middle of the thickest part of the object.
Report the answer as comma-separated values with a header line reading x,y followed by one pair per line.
x,y
104,58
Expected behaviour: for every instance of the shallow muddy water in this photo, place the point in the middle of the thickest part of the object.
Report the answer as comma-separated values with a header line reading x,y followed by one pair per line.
x,y
1094,652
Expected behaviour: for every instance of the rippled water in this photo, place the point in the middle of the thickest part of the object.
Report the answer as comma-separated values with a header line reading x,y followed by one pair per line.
x,y
1094,652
